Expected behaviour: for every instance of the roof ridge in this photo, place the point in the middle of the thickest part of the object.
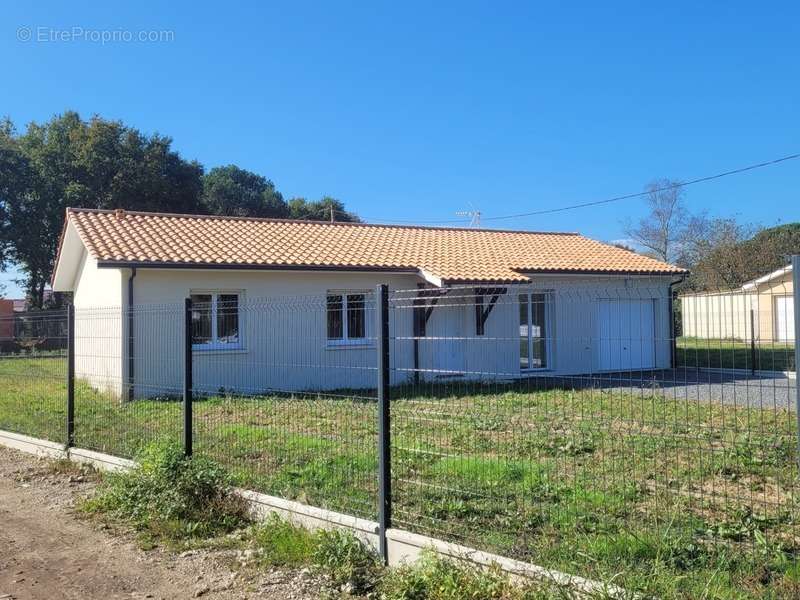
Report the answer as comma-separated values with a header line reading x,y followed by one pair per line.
x,y
308,221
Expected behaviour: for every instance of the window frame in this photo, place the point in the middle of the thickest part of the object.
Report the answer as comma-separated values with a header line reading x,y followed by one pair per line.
x,y
346,340
548,324
215,345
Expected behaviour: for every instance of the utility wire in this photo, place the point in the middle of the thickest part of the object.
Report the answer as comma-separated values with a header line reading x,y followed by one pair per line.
x,y
615,198
645,193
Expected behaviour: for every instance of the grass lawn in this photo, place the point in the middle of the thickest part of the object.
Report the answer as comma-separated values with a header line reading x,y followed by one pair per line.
x,y
728,354
661,496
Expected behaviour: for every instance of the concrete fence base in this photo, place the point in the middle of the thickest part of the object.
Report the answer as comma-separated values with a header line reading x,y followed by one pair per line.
x,y
404,547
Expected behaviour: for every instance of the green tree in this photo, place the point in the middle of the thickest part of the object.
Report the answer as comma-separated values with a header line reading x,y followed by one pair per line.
x,y
733,257
15,177
321,210
235,192
71,162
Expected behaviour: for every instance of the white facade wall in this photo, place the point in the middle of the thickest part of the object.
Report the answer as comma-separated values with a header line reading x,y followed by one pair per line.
x,y
283,330
574,335
99,327
724,315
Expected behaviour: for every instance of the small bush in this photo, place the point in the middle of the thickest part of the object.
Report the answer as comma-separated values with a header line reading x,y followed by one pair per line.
x,y
348,562
172,497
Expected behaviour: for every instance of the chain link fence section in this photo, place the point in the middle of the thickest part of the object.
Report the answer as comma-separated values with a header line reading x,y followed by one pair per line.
x,y
126,360
576,428
285,392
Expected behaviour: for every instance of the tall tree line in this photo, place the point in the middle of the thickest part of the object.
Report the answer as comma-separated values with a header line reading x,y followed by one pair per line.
x,y
97,163
720,253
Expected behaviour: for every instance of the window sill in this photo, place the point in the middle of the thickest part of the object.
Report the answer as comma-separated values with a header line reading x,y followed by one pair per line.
x,y
349,345
219,350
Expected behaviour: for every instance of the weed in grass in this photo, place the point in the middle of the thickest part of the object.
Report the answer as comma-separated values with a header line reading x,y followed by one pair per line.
x,y
67,467
281,543
347,561
435,578
170,497
487,422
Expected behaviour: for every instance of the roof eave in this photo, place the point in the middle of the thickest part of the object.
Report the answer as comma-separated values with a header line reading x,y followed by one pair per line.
x,y
427,275
567,272
143,264
752,285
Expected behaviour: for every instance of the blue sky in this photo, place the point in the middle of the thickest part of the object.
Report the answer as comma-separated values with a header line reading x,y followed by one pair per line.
x,y
411,111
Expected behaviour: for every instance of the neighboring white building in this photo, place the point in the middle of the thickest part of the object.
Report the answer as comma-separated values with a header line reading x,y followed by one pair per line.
x,y
289,305
762,309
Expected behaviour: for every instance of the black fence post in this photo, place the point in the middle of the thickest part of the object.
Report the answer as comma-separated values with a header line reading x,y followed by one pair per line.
x,y
752,342
187,377
384,422
70,376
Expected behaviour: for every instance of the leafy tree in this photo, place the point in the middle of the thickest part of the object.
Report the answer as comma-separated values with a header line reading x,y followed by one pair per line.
x,y
320,210
71,162
711,249
720,253
734,260
15,175
236,192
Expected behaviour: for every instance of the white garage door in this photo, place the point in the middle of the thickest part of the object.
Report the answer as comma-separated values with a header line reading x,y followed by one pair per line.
x,y
784,318
626,334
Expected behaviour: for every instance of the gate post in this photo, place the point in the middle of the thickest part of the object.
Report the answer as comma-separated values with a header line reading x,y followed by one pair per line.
x,y
70,441
187,377
384,421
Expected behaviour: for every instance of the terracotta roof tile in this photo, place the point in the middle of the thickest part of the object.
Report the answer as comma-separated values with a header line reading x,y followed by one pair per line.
x,y
453,255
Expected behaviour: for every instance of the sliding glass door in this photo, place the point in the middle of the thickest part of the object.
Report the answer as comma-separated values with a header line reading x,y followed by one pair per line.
x,y
534,331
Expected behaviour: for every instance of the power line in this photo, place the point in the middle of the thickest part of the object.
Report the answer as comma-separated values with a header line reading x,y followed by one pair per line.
x,y
615,198
645,193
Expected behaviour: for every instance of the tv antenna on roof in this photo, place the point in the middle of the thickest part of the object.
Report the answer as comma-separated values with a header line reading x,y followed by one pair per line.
x,y
474,215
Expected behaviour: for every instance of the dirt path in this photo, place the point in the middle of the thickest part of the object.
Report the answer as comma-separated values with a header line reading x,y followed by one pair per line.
x,y
47,551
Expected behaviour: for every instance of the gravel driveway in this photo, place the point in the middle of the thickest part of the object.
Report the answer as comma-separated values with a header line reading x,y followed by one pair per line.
x,y
738,389
734,388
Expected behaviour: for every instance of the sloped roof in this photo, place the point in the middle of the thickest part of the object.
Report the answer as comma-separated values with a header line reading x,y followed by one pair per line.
x,y
451,255
777,274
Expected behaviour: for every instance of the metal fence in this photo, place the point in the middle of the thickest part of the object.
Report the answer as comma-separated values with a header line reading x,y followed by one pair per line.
x,y
569,425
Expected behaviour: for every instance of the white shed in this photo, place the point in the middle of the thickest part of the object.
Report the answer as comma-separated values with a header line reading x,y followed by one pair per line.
x,y
762,309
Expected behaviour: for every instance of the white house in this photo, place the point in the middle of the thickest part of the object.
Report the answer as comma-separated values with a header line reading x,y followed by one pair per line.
x,y
290,305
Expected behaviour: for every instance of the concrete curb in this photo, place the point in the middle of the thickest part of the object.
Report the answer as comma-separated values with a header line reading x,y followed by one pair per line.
x,y
404,547
102,462
32,445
